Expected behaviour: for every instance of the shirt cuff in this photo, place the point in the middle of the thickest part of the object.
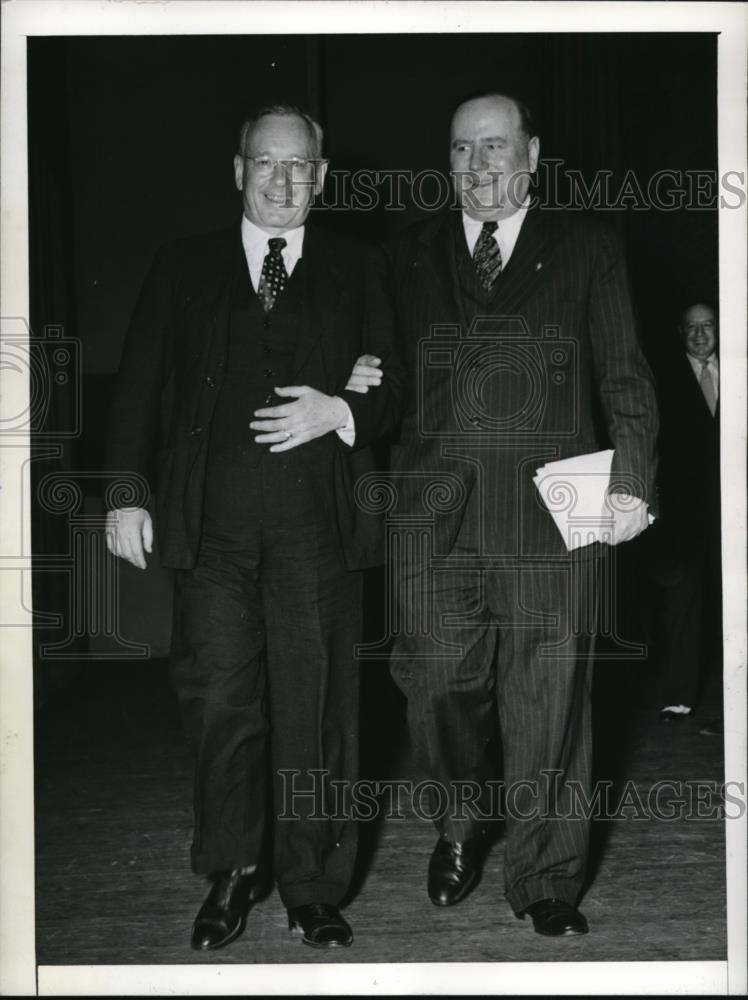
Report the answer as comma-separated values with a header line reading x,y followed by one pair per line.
x,y
347,433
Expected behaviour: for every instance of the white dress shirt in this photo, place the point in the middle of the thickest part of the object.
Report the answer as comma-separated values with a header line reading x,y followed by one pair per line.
x,y
255,243
712,367
506,235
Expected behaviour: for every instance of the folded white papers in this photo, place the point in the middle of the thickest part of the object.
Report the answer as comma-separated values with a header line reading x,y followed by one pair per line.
x,y
575,491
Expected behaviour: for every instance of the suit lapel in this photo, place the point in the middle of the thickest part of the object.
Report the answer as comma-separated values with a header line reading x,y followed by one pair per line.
x,y
528,265
226,273
322,286
699,403
219,277
436,263
527,268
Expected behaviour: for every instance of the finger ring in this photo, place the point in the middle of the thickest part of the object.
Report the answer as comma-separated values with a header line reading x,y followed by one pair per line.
x,y
289,435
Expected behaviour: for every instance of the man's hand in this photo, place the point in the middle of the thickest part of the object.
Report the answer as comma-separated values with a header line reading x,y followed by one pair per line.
x,y
629,518
129,531
366,373
311,415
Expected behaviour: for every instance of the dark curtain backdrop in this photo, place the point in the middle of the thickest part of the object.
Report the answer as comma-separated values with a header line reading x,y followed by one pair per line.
x,y
132,141
52,317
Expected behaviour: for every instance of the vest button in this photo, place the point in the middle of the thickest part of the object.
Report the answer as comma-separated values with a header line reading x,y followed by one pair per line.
x,y
266,349
266,322
268,372
195,431
210,381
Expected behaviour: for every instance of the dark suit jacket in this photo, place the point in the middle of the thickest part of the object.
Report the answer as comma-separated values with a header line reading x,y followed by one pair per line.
x,y
176,348
688,480
524,387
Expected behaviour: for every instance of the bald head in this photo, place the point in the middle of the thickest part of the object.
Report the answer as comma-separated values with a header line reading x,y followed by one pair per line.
x,y
492,156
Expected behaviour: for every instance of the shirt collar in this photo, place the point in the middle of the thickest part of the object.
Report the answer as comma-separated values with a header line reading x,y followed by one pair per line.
x,y
255,240
697,363
507,232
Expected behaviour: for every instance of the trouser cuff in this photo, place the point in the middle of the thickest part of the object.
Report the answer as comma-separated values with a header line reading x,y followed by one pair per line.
x,y
302,895
206,864
533,890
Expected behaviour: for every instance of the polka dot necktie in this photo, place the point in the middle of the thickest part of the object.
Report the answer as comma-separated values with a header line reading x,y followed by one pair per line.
x,y
487,256
274,275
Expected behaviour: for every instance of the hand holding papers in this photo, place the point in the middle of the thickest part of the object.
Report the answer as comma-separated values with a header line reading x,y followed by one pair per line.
x,y
575,492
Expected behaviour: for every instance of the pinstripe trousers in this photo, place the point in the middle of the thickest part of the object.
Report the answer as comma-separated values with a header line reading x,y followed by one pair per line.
x,y
510,645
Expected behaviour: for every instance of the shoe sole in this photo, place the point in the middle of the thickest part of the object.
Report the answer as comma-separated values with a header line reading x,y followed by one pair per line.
x,y
298,929
566,932
326,944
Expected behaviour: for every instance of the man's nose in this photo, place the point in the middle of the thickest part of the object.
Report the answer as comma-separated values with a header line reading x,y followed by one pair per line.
x,y
477,159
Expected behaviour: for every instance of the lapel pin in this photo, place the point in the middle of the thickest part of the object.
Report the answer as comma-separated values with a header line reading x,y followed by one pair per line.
x,y
538,265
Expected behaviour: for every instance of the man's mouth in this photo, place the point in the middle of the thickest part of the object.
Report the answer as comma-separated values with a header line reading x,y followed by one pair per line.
x,y
472,182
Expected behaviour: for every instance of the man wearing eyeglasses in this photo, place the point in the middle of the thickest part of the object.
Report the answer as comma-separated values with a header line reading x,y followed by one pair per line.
x,y
257,330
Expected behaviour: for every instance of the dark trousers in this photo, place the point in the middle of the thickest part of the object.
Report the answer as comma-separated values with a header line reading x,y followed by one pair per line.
x,y
522,653
263,666
686,567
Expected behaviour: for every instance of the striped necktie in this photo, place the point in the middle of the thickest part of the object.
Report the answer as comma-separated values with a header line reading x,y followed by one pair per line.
x,y
707,387
274,275
487,256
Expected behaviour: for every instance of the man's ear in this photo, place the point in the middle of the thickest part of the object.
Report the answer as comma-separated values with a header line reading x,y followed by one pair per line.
x,y
533,153
239,172
320,170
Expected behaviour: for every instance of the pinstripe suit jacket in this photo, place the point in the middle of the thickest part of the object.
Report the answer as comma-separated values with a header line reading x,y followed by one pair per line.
x,y
553,369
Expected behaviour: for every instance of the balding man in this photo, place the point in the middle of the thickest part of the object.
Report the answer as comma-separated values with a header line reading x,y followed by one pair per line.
x,y
688,564
517,323
256,329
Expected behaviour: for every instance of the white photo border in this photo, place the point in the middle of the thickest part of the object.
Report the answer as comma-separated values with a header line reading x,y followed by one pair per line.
x,y
19,974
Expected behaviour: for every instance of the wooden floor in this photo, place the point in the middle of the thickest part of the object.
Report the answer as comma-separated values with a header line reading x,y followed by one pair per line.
x,y
113,817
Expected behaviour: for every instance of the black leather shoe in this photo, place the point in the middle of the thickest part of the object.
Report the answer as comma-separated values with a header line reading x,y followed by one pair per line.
x,y
454,870
322,925
555,918
223,915
668,715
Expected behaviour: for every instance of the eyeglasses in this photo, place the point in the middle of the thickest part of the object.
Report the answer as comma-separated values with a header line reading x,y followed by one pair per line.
x,y
297,168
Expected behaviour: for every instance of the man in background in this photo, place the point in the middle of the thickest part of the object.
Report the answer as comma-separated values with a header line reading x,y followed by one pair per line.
x,y
256,330
688,556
